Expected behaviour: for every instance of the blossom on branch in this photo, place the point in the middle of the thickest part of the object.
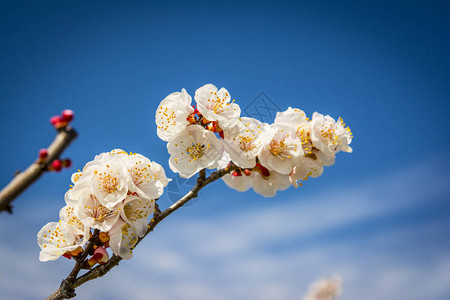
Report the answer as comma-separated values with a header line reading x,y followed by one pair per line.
x,y
193,149
215,105
114,194
270,157
282,150
55,239
171,115
245,141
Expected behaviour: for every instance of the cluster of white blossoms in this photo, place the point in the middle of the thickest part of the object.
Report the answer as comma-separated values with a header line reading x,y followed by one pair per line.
x,y
270,157
114,194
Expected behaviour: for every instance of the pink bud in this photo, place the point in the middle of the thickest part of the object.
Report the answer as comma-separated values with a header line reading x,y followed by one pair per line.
x,y
236,173
56,164
67,115
43,154
100,256
55,120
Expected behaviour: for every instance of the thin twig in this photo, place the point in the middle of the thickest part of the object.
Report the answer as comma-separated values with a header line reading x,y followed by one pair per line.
x,y
67,288
24,179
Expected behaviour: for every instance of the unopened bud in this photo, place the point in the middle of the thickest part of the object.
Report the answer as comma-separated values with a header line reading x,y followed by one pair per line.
x,y
67,115
66,163
247,172
236,173
56,165
55,120
100,256
43,154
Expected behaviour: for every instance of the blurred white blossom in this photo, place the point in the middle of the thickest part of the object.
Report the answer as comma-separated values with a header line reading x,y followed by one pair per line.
x,y
324,289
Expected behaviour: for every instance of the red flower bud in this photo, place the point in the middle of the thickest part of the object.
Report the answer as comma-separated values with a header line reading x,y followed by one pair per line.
x,y
66,163
43,154
236,173
100,256
56,165
55,120
67,115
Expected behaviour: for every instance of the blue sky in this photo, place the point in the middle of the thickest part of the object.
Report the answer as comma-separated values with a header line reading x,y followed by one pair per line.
x,y
379,217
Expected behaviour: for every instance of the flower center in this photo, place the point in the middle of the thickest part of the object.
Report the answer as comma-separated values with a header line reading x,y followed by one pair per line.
x,y
246,143
327,132
107,182
305,137
195,151
216,103
277,147
99,213
168,117
140,174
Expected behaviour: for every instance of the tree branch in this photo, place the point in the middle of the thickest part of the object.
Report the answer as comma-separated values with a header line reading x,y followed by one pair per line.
x,y
67,288
24,179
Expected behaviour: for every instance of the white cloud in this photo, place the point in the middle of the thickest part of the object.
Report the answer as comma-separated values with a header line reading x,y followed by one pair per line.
x,y
274,252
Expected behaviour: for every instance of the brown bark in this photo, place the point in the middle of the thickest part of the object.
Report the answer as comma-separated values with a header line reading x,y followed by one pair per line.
x,y
68,285
24,179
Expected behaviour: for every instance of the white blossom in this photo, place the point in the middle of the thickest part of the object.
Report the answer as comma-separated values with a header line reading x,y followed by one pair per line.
x,y
110,183
268,186
105,177
239,183
263,181
123,240
148,178
293,117
330,136
282,150
136,212
95,215
215,105
171,115
69,215
224,161
245,141
324,289
193,149
55,239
